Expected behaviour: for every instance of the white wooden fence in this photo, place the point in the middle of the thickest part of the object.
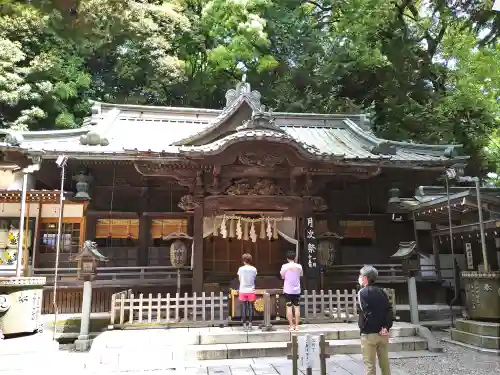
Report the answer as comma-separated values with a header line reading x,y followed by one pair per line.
x,y
180,310
211,309
334,306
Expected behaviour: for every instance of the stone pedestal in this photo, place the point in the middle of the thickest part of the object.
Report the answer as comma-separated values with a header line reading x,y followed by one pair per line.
x,y
84,342
482,291
21,304
481,335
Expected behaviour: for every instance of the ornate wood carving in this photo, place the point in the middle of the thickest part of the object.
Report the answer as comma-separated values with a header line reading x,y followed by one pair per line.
x,y
318,204
260,187
261,159
189,202
217,204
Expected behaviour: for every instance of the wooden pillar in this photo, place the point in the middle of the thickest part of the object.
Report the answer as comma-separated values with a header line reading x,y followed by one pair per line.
x,y
437,261
144,240
198,249
144,228
90,228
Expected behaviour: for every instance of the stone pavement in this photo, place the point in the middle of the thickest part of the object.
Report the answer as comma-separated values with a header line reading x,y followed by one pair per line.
x,y
336,365
39,354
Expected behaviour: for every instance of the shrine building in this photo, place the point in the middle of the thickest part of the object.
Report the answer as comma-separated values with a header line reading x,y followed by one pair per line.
x,y
236,180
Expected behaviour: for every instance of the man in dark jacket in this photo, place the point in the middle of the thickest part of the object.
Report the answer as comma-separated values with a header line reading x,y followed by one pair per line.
x,y
375,321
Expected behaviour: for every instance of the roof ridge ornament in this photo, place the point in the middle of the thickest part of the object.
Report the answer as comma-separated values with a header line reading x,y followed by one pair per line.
x,y
261,120
94,138
13,137
243,89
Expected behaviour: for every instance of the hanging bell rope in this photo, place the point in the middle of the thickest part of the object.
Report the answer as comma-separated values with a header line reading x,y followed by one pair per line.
x,y
232,228
262,234
275,230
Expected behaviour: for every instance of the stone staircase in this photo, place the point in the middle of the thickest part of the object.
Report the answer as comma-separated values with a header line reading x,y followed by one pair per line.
x,y
341,338
175,347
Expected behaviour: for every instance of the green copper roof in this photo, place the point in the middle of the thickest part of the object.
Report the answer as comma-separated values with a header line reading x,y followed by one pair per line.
x,y
126,131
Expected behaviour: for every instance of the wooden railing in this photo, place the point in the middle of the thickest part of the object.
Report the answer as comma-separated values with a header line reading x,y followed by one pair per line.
x,y
183,310
128,310
387,273
69,301
350,272
119,276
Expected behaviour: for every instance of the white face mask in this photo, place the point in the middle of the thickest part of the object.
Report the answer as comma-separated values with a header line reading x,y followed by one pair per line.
x,y
360,281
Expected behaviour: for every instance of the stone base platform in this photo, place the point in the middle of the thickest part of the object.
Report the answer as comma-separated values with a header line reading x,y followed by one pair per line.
x,y
175,347
479,335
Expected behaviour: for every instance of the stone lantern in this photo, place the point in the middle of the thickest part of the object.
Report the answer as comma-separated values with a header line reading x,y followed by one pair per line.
x,y
178,253
87,261
82,186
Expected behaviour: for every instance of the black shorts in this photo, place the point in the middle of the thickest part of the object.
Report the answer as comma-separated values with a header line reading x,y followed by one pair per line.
x,y
292,299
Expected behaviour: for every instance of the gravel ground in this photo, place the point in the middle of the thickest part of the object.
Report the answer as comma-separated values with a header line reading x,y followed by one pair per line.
x,y
457,360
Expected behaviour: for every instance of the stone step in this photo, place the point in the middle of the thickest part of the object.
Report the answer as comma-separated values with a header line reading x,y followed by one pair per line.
x,y
38,343
276,349
333,332
480,341
478,328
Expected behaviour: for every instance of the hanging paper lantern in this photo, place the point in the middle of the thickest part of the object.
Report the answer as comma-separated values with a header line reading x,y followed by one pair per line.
x,y
232,228
239,232
178,254
262,234
253,233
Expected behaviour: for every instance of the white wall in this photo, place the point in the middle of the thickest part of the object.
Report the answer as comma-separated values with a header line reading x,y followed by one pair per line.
x,y
14,181
48,210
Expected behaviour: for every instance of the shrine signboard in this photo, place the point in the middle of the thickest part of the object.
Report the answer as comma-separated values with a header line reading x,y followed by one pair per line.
x,y
311,246
309,353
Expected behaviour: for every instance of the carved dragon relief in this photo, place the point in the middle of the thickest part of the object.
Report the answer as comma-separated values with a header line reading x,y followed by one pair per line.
x,y
261,160
260,187
189,202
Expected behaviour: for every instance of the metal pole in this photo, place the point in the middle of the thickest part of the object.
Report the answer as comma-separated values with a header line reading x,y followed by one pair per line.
x,y
481,226
179,281
58,247
450,225
19,264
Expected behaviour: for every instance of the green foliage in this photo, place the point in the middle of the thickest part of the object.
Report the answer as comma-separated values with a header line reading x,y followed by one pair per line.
x,y
423,71
493,157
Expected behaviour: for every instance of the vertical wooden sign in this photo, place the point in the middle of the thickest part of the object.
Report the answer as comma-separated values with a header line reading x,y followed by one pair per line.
x,y
311,246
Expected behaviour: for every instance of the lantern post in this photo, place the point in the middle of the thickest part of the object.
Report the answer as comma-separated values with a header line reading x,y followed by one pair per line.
x,y
87,260
178,253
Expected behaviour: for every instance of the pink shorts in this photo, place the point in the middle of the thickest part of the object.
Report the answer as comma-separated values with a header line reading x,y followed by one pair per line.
x,y
247,297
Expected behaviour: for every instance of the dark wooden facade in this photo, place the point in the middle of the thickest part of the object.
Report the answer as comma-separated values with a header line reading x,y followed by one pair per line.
x,y
244,160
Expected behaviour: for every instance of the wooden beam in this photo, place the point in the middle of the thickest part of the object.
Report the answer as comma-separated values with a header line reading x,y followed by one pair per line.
x,y
437,260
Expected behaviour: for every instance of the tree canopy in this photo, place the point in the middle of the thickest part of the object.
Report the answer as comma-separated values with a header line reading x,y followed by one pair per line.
x,y
423,71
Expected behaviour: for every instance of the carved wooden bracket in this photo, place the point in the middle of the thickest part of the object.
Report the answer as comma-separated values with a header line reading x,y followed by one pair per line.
x,y
189,202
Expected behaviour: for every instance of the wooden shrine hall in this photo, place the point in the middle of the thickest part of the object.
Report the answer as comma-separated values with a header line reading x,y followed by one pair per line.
x,y
238,179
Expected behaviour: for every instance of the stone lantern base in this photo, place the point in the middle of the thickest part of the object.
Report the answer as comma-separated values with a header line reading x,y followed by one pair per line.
x,y
482,328
484,336
21,304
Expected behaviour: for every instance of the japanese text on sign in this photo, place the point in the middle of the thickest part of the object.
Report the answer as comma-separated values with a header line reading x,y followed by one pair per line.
x,y
309,352
310,244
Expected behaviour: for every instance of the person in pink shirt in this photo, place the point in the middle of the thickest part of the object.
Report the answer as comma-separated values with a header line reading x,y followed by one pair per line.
x,y
291,272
